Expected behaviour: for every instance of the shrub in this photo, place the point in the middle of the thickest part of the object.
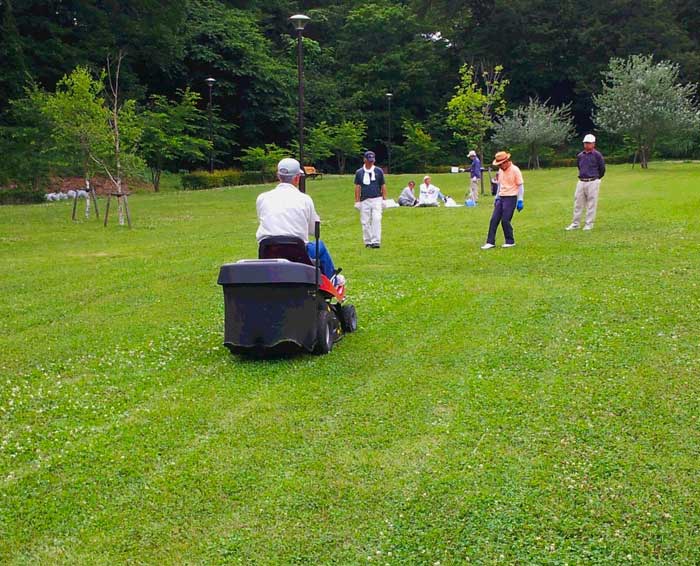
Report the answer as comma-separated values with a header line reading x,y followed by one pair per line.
x,y
22,195
263,159
198,180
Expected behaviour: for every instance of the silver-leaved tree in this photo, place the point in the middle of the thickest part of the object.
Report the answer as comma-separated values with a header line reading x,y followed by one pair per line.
x,y
645,102
533,127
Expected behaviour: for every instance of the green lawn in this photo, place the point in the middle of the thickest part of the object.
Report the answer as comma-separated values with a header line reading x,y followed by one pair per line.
x,y
536,405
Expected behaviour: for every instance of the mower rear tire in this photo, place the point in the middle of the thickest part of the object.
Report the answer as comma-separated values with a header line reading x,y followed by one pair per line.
x,y
324,333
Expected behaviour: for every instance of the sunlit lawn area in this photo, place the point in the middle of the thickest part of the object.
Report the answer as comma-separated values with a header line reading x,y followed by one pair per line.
x,y
535,405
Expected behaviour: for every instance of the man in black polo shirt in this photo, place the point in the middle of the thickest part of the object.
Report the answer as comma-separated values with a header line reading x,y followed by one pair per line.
x,y
591,169
370,197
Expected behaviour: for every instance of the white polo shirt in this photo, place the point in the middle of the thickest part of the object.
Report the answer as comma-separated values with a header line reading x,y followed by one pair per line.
x,y
285,211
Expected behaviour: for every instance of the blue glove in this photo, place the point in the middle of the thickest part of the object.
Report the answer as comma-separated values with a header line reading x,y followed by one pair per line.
x,y
520,205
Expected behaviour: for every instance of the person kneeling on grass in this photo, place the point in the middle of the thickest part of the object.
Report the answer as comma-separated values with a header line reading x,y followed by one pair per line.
x,y
285,211
407,198
509,197
429,193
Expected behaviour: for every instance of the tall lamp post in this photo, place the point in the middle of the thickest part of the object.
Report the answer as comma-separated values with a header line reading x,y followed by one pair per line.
x,y
389,96
210,82
299,22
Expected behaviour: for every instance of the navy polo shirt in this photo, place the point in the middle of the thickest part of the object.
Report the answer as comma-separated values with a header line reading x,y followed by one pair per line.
x,y
374,189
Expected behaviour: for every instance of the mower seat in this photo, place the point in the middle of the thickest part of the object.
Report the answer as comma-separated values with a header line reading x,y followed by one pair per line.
x,y
284,247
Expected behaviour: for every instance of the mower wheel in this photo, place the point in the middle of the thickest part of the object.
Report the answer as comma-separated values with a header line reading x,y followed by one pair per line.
x,y
348,318
324,333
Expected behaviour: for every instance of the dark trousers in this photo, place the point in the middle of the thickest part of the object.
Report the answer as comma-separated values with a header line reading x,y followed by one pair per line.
x,y
503,210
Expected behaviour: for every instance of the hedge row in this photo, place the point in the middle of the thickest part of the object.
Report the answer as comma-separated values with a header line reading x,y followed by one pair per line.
x,y
546,163
22,195
199,180
571,161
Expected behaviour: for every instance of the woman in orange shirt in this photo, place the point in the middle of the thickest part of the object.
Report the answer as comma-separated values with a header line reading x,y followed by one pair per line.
x,y
508,198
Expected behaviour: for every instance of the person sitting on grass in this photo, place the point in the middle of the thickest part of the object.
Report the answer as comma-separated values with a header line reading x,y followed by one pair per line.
x,y
430,194
407,198
285,211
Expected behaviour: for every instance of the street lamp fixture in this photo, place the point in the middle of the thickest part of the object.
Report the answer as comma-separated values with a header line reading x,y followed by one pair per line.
x,y
210,82
299,22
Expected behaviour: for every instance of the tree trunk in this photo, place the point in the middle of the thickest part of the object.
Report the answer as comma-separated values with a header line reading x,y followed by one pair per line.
x,y
117,178
155,177
87,198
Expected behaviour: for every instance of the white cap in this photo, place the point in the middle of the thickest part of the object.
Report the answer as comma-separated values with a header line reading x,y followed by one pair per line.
x,y
289,167
589,138
472,153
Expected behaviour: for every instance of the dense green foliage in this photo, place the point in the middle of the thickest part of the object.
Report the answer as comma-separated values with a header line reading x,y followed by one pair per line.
x,y
355,52
537,405
172,133
478,102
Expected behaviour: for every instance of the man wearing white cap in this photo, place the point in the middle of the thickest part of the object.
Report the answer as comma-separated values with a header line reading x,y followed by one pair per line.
x,y
429,193
370,197
285,211
475,174
591,169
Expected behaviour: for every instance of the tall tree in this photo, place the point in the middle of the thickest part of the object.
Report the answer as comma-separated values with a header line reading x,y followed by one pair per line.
x,y
172,131
12,64
29,154
254,88
347,141
646,101
534,126
406,58
80,121
477,104
419,150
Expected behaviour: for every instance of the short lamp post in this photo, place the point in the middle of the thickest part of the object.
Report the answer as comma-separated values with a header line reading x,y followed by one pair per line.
x,y
210,82
389,96
299,22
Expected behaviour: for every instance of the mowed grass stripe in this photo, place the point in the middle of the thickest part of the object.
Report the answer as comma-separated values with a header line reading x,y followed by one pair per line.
x,y
533,405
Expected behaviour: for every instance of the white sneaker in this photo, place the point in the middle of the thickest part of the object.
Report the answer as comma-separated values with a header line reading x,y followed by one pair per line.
x,y
487,246
508,245
588,227
571,227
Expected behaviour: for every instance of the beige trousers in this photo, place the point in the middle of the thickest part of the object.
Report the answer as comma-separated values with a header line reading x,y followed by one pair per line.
x,y
586,198
475,189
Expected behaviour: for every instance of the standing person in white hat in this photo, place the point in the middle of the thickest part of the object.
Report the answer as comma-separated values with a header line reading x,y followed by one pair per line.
x,y
475,173
591,169
370,197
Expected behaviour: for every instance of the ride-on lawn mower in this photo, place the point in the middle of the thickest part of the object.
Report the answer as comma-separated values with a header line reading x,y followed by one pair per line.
x,y
282,301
